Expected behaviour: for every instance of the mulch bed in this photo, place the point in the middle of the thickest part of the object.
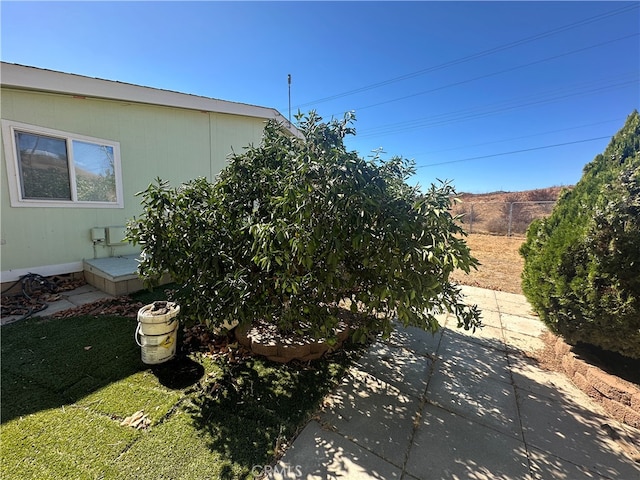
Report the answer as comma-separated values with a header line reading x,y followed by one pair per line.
x,y
123,306
199,338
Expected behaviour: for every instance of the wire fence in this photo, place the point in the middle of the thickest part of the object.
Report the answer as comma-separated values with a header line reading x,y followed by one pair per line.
x,y
501,218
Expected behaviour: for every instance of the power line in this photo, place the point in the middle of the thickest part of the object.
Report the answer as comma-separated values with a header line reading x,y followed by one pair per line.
x,y
474,56
548,132
495,111
511,152
492,74
494,108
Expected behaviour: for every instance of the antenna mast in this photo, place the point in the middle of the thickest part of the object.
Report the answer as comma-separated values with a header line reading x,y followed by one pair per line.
x,y
289,82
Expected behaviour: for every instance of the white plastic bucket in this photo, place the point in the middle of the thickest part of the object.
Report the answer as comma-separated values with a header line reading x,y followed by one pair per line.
x,y
157,348
157,334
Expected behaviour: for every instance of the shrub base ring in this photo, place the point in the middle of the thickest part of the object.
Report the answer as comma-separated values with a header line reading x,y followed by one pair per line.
x,y
264,339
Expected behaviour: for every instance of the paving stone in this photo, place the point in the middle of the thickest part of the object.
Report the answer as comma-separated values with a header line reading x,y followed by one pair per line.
x,y
525,325
402,368
574,433
546,466
519,343
55,307
447,445
484,299
9,319
406,476
501,295
477,292
71,299
486,400
508,297
373,414
415,339
530,378
458,353
491,318
319,454
522,309
87,297
491,337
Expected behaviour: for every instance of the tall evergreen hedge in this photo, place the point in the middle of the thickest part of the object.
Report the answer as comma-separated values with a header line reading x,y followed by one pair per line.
x,y
582,263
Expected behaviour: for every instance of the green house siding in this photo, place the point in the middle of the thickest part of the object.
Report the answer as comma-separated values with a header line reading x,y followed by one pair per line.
x,y
175,144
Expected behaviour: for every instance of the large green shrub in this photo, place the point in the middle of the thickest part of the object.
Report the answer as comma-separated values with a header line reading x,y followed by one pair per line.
x,y
295,225
582,264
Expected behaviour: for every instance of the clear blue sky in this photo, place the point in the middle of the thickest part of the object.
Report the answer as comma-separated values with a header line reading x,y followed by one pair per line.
x,y
456,86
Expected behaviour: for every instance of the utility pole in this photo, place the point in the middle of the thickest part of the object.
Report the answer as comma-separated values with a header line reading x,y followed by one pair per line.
x,y
289,82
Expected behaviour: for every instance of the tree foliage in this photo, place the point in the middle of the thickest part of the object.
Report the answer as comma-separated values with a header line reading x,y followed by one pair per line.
x,y
582,264
295,225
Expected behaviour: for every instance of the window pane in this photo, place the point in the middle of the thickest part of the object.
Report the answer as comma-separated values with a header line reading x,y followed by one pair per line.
x,y
44,169
95,172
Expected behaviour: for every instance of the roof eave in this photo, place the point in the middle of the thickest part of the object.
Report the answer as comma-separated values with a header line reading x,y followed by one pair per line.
x,y
38,79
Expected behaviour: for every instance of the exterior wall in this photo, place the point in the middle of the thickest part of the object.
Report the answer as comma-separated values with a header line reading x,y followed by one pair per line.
x,y
175,144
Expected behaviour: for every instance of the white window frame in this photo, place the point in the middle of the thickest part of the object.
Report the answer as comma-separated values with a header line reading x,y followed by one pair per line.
x,y
9,128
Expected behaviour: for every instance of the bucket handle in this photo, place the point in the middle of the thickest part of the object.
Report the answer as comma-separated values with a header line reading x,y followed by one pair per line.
x,y
137,334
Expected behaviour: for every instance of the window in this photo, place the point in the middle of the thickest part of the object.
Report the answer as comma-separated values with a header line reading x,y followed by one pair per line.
x,y
56,169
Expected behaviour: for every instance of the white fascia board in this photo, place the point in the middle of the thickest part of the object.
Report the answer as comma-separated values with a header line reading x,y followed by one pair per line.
x,y
38,79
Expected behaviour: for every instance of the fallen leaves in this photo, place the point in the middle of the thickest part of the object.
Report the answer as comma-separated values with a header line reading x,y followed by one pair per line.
x,y
34,293
123,306
20,305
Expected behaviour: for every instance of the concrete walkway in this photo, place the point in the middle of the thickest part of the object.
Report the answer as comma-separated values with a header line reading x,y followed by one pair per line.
x,y
461,406
71,299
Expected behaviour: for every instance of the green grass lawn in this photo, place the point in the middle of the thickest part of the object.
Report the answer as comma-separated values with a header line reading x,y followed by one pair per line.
x,y
68,383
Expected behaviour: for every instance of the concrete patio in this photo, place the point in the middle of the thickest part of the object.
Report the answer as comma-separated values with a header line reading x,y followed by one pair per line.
x,y
459,405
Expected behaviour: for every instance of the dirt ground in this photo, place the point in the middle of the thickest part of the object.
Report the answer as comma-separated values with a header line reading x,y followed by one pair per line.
x,y
500,263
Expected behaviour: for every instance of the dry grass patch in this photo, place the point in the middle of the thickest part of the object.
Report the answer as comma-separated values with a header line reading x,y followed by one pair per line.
x,y
500,263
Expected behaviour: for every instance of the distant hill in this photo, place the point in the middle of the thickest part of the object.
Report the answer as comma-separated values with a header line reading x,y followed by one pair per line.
x,y
549,194
501,213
